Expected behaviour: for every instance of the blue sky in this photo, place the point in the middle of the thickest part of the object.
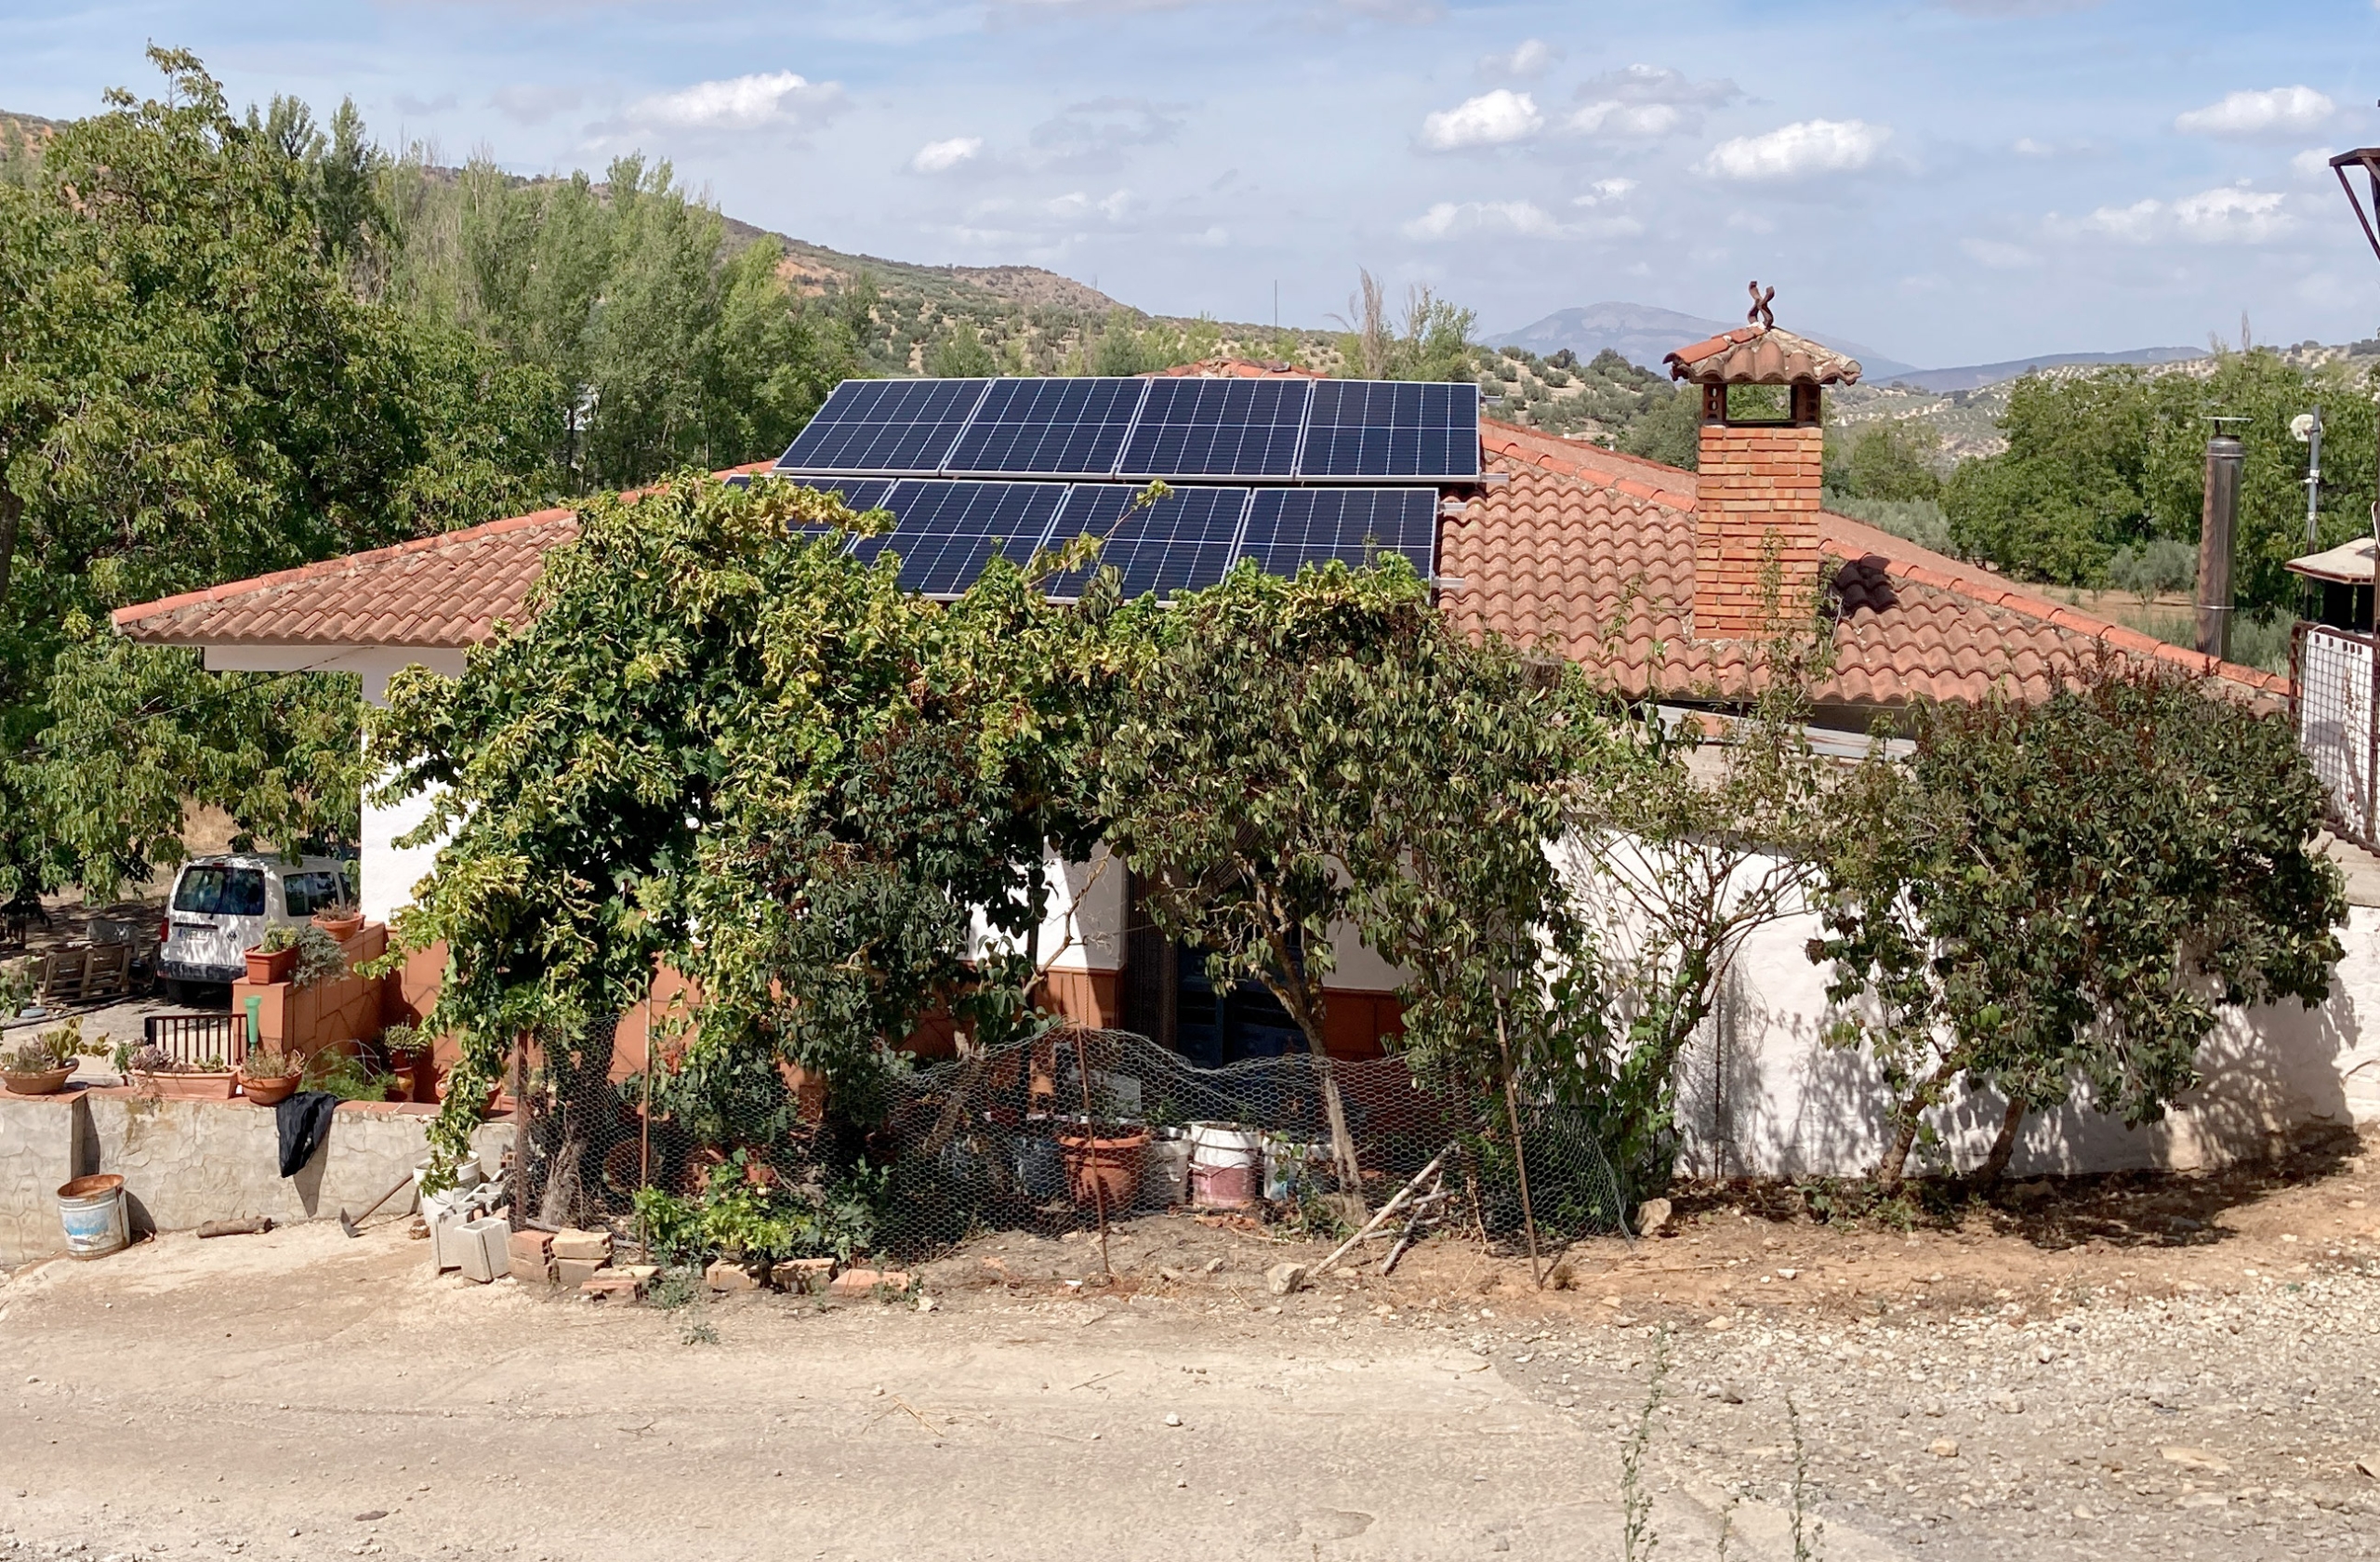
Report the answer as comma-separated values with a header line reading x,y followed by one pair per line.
x,y
1944,181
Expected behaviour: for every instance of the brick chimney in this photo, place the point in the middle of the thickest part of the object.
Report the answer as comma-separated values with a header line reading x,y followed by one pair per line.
x,y
1756,526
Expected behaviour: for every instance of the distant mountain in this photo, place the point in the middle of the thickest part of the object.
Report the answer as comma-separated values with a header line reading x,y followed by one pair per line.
x,y
1642,334
1975,377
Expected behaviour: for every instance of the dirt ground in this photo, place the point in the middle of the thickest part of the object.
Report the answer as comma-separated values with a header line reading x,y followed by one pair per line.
x,y
2132,1367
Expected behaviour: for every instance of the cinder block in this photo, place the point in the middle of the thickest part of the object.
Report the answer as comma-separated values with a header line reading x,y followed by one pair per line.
x,y
484,1243
570,1243
577,1271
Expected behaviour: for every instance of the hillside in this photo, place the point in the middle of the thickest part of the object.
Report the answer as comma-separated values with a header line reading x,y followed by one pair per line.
x,y
1643,333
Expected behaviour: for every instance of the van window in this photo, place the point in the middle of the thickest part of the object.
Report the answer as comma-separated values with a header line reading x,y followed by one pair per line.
x,y
306,893
208,890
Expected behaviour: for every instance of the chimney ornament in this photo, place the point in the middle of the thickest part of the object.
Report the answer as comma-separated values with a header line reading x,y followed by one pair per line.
x,y
1760,315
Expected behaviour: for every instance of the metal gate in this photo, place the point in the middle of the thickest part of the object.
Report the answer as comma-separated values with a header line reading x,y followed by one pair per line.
x,y
2335,702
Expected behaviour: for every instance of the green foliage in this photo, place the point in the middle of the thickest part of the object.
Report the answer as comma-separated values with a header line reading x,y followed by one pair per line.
x,y
713,722
2073,888
1918,521
1431,341
1894,462
2154,567
192,391
349,1078
1669,430
959,353
738,1218
2115,456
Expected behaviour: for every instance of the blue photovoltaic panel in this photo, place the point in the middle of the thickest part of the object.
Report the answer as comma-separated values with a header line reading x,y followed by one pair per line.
x,y
947,531
1050,428
1375,428
1182,543
1288,527
890,427
859,494
1217,428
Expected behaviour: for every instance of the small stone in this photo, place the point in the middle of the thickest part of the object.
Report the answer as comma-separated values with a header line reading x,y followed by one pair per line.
x,y
1651,1215
1720,1325
925,1304
2007,1403
1171,1419
1943,1448
2368,1465
2196,1459
366,1516
1787,1274
1283,1279
1215,1266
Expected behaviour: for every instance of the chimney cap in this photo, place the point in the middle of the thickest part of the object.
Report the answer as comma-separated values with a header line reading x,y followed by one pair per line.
x,y
1758,353
1761,355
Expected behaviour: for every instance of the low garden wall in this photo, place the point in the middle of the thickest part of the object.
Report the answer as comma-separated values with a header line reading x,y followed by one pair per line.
x,y
187,1162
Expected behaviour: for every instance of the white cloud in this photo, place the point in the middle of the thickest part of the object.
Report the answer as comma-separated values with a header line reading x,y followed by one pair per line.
x,y
2233,215
777,97
1642,122
1605,190
1644,103
940,157
1532,57
1797,150
2314,163
1490,119
1449,219
529,104
2027,146
2228,215
1999,255
2280,111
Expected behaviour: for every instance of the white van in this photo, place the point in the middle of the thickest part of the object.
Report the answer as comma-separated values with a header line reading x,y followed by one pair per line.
x,y
221,905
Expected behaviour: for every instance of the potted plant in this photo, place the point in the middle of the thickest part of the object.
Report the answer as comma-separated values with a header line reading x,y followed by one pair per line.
x,y
268,1076
42,1065
341,925
274,957
319,959
1103,1162
159,1073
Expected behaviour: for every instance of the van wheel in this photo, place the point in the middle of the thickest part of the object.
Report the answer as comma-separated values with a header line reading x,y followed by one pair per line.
x,y
175,993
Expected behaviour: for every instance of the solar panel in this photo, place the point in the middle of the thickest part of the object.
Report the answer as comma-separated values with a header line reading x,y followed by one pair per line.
x,y
1288,527
890,427
1051,428
948,531
1376,429
1217,428
1183,542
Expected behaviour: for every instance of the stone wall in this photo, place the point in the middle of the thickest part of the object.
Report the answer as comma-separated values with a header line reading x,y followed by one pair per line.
x,y
187,1162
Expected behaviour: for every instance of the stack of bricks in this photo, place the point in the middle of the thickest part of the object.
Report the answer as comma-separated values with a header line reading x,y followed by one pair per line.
x,y
1756,528
533,1257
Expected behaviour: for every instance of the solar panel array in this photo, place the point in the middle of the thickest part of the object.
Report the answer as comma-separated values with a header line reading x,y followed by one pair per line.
x,y
1293,430
1286,472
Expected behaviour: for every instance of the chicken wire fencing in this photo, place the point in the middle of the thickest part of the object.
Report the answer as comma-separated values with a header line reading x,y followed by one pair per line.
x,y
1051,1134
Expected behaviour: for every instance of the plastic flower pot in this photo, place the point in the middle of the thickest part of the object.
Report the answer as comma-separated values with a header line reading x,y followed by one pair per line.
x,y
1104,1170
267,966
190,1087
341,927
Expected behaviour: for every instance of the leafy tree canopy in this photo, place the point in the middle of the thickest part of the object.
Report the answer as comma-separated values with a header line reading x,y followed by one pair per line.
x,y
2074,888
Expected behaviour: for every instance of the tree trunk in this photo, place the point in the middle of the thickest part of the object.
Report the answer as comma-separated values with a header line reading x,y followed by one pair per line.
x,y
2003,1147
1304,1000
13,514
1895,1164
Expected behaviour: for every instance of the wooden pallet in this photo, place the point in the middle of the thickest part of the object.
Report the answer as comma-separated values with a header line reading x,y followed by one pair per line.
x,y
83,972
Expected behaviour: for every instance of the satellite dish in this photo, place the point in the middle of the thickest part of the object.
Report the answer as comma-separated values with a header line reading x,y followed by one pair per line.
x,y
2301,428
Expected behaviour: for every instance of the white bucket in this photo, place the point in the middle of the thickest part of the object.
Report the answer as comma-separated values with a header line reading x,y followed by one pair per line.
x,y
1226,1164
92,1210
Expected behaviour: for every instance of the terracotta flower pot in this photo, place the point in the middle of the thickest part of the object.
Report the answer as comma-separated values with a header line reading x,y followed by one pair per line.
x,y
267,966
47,1081
404,1076
268,1093
341,927
192,1087
1104,1167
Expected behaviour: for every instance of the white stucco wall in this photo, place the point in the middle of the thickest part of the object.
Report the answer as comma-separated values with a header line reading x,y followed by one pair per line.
x,y
1761,1094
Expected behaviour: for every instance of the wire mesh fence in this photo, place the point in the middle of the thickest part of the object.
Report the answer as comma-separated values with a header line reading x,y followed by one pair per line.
x,y
1051,1134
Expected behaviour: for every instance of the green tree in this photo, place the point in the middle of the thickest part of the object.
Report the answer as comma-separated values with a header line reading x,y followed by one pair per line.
x,y
2073,888
959,353
722,743
1889,461
1669,430
2116,457
1310,755
191,390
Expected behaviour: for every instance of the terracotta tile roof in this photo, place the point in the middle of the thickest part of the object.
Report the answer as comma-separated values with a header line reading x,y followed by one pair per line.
x,y
1591,554
1761,355
1569,547
445,591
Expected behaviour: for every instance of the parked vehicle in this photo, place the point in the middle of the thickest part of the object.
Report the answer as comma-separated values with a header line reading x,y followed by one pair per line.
x,y
221,907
